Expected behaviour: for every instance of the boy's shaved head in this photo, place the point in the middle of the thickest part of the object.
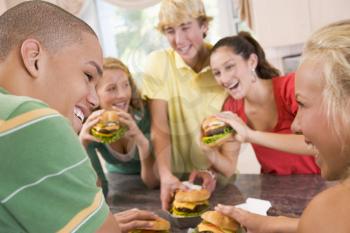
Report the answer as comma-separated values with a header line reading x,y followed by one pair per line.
x,y
52,26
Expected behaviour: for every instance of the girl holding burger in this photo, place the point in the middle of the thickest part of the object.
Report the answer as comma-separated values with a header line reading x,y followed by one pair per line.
x,y
261,107
132,153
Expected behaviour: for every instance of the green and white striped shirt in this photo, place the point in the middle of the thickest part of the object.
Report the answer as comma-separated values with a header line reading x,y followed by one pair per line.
x,y
46,179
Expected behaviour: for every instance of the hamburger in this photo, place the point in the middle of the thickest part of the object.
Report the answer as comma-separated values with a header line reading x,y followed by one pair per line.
x,y
215,222
108,129
159,226
215,131
190,203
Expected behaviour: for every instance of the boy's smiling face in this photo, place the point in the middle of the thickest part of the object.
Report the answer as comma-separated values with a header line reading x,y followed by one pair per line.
x,y
187,39
69,77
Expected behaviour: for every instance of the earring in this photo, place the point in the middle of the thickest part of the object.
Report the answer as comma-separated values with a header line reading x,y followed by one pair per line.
x,y
254,76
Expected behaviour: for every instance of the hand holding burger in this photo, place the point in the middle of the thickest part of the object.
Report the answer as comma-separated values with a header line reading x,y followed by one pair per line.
x,y
190,203
134,133
242,132
159,225
252,222
141,221
215,131
220,143
85,136
215,222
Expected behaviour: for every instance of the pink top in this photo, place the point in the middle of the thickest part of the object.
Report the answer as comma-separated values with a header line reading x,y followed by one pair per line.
x,y
271,160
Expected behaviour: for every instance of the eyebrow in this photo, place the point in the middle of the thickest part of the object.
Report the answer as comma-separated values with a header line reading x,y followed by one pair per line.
x,y
98,68
186,24
181,25
228,61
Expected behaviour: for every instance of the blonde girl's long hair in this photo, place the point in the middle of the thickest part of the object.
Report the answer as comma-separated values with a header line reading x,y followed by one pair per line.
x,y
331,46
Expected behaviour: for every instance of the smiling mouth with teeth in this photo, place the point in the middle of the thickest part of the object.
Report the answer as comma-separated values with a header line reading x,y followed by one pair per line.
x,y
120,106
184,49
233,86
79,114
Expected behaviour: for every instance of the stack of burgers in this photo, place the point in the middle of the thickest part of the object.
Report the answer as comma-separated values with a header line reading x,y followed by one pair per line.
x,y
190,203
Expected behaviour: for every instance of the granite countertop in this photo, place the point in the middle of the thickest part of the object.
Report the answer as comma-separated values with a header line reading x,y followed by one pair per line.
x,y
288,195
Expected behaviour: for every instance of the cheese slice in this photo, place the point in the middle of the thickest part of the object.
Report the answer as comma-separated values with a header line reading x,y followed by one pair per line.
x,y
189,205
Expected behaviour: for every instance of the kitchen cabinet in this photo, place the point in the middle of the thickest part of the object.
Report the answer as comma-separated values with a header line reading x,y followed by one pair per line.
x,y
287,22
324,12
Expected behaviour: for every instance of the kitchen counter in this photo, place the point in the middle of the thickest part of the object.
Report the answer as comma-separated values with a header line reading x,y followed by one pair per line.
x,y
288,195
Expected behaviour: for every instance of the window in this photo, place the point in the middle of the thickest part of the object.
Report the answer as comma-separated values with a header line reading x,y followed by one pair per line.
x,y
130,35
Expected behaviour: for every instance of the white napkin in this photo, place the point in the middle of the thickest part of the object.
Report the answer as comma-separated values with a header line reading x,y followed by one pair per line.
x,y
256,206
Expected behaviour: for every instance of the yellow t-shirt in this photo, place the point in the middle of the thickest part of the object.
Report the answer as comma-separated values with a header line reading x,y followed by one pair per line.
x,y
191,97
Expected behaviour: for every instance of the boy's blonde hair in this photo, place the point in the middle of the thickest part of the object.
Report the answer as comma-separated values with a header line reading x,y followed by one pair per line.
x,y
175,12
136,103
331,46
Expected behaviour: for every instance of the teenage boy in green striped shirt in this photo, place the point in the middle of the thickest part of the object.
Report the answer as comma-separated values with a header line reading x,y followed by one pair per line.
x,y
49,186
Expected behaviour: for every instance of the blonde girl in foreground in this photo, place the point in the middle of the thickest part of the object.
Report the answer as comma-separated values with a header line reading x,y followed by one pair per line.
x,y
322,92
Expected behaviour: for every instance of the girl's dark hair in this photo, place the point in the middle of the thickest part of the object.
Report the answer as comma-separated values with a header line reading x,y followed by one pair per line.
x,y
244,45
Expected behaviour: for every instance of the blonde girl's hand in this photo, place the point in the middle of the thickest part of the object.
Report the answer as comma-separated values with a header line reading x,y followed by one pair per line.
x,y
242,130
84,136
134,131
253,223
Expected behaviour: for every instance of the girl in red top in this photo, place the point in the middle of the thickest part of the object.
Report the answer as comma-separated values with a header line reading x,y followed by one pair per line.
x,y
261,107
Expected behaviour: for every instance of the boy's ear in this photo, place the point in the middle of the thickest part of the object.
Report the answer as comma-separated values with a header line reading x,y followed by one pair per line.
x,y
30,54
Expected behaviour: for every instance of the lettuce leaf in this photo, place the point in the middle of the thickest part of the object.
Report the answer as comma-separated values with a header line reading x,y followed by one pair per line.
x,y
214,138
113,137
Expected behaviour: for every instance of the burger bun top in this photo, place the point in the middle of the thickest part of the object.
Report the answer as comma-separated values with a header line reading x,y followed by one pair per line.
x,y
109,116
192,195
220,220
212,122
160,224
